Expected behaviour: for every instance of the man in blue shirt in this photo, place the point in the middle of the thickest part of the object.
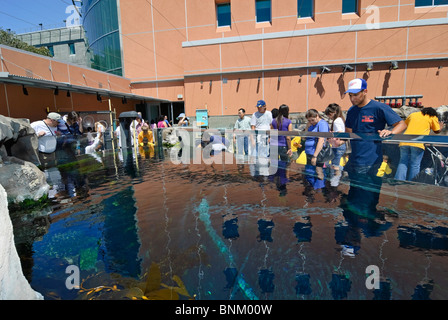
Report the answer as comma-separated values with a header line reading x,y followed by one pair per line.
x,y
368,116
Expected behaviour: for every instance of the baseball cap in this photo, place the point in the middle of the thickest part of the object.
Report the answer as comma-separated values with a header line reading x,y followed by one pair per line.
x,y
356,86
261,103
54,116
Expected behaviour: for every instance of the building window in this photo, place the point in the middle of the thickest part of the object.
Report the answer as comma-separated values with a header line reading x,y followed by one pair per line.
x,y
429,3
263,10
51,49
223,14
349,6
72,48
305,8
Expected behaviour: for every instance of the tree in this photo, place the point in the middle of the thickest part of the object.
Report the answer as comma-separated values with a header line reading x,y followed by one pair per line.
x,y
9,39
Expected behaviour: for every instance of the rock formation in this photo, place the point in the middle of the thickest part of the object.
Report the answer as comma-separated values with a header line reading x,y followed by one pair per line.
x,y
13,284
19,175
20,179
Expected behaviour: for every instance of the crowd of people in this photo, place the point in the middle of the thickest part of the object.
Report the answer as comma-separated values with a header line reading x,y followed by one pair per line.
x,y
365,116
63,133
367,165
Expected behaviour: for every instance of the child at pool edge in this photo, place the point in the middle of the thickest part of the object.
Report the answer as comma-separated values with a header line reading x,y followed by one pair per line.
x,y
384,169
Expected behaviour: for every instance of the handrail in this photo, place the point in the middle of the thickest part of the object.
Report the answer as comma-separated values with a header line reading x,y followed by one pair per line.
x,y
433,139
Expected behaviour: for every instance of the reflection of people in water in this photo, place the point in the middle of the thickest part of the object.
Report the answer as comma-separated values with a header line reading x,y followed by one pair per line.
x,y
146,142
302,230
266,280
340,286
423,290
265,228
230,227
303,286
280,178
313,183
231,275
384,292
67,181
360,215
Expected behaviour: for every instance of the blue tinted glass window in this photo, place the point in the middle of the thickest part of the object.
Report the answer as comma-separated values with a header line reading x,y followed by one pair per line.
x,y
428,3
72,48
223,14
423,3
263,8
305,8
100,21
349,6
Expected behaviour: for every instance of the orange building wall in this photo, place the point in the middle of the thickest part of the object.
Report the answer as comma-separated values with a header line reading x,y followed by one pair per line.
x,y
160,37
172,50
34,106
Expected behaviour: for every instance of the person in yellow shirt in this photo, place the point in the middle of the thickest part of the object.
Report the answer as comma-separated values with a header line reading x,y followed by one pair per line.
x,y
146,141
295,146
384,169
411,154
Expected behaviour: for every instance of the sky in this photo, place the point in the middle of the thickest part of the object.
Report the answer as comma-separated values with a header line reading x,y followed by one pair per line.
x,y
23,16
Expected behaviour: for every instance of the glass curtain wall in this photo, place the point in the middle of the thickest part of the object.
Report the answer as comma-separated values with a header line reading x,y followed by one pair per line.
x,y
100,20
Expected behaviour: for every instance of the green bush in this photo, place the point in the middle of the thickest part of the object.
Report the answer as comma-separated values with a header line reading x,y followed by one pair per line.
x,y
9,39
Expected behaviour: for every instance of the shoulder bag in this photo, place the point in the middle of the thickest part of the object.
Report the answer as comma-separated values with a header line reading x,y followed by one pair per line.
x,y
326,154
47,144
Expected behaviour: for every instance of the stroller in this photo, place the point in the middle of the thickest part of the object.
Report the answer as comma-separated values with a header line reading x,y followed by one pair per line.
x,y
438,173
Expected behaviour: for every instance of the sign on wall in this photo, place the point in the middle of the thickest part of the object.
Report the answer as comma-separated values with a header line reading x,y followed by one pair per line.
x,y
202,117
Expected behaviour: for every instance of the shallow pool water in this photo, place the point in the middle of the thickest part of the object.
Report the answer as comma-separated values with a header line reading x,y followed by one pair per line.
x,y
151,229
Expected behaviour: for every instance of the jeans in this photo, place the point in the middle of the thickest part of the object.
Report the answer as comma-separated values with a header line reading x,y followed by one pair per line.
x,y
283,153
242,143
338,153
365,188
261,148
410,159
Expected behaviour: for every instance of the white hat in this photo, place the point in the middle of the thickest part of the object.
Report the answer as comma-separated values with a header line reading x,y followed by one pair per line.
x,y
356,86
54,116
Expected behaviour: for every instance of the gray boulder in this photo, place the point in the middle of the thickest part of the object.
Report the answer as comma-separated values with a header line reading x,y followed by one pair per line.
x,y
19,175
18,139
22,180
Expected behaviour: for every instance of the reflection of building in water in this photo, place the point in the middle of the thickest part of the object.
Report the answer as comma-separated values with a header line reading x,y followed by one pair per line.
x,y
384,292
340,286
230,229
121,252
266,280
423,237
302,230
423,290
265,228
201,248
303,285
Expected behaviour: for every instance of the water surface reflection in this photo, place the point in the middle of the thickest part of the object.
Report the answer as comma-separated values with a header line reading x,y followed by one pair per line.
x,y
233,232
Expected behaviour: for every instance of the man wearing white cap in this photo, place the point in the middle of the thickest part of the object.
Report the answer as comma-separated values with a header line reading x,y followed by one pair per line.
x,y
261,120
46,131
368,116
48,126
